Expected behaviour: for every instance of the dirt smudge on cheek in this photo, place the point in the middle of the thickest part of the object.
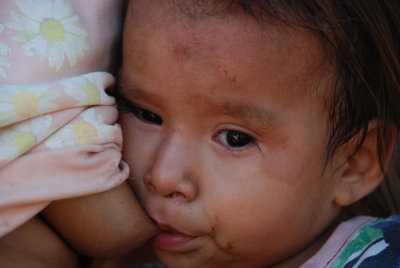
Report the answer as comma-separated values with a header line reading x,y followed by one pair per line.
x,y
215,226
226,247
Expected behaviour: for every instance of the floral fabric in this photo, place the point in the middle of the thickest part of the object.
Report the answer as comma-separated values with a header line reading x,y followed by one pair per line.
x,y
58,133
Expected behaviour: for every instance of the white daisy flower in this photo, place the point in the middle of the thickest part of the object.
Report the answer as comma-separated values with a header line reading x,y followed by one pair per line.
x,y
18,139
91,129
18,102
88,89
4,50
51,31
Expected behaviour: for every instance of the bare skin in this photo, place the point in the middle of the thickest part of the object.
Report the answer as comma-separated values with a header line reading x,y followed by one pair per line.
x,y
107,224
35,245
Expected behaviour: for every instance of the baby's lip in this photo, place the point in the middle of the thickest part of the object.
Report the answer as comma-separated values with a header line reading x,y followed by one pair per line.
x,y
170,239
167,228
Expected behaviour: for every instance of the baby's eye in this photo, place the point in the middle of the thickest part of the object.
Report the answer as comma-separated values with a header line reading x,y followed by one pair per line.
x,y
148,116
234,139
144,115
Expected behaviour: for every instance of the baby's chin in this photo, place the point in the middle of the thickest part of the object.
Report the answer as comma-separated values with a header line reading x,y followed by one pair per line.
x,y
207,257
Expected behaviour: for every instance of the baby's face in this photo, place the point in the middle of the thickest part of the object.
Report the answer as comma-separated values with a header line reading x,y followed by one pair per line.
x,y
225,128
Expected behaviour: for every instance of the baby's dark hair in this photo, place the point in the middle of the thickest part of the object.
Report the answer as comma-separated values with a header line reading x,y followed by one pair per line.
x,y
362,42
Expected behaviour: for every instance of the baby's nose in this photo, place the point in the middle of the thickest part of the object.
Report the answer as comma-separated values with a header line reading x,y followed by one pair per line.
x,y
172,173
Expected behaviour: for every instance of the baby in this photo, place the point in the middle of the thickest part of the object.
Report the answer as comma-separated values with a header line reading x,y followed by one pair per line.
x,y
259,132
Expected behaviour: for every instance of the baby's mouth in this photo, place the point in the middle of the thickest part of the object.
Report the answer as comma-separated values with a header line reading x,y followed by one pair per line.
x,y
170,239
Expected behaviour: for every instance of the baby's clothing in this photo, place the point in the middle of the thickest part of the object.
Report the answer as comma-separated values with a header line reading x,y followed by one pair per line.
x,y
361,242
58,133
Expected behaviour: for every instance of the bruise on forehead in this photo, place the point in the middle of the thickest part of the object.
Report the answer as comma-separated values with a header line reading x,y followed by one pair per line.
x,y
198,9
181,51
184,50
192,48
195,9
184,16
194,12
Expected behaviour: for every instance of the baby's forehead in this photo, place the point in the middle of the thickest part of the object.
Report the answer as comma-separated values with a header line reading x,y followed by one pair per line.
x,y
203,9
214,18
193,9
231,36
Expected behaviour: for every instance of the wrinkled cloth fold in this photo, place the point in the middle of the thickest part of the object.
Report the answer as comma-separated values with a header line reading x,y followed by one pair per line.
x,y
58,133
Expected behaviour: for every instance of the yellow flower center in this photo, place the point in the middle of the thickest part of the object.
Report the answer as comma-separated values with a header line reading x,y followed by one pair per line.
x,y
52,30
25,104
24,141
84,132
92,95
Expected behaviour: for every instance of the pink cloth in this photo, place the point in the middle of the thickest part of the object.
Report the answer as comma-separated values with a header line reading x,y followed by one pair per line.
x,y
337,242
58,133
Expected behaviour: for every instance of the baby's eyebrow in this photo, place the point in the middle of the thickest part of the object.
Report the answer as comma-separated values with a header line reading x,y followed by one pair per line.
x,y
136,93
249,112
